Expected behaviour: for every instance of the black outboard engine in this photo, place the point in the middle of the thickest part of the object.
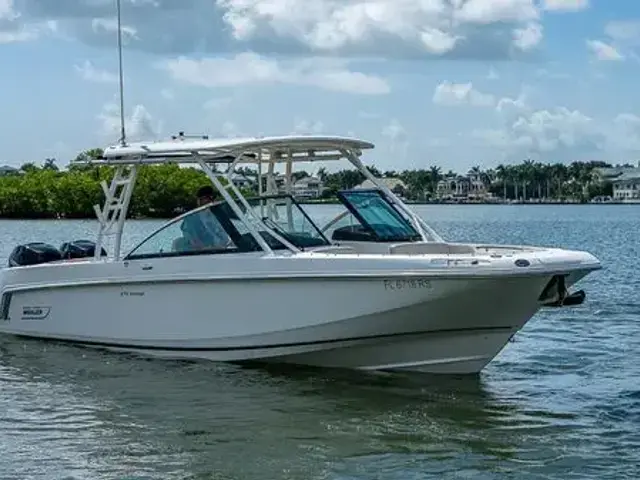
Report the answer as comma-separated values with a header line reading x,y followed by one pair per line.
x,y
80,249
33,254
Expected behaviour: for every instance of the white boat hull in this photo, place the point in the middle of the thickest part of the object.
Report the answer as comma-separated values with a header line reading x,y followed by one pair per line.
x,y
375,320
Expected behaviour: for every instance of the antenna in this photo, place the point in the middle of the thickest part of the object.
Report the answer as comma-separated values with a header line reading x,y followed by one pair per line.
x,y
123,135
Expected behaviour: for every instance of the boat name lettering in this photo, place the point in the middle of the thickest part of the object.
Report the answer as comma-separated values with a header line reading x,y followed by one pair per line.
x,y
409,283
35,313
131,294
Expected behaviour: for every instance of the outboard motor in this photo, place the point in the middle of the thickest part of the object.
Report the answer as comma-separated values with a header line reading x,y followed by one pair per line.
x,y
80,249
33,254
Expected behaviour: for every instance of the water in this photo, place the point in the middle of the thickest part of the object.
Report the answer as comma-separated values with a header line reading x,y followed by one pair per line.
x,y
561,402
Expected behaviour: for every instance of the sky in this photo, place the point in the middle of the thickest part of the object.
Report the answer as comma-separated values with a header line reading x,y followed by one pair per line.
x,y
454,83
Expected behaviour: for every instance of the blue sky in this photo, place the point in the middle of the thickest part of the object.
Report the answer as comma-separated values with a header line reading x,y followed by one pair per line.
x,y
455,83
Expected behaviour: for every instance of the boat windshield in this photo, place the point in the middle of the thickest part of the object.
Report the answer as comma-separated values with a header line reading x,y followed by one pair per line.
x,y
378,219
284,216
217,229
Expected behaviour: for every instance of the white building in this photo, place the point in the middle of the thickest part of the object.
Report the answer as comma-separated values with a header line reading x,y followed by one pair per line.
x,y
241,181
477,188
308,187
459,187
626,187
453,187
611,174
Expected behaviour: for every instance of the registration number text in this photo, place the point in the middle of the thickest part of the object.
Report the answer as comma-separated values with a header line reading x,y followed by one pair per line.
x,y
405,284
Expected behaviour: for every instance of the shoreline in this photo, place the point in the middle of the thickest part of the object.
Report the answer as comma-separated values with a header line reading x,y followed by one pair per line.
x,y
335,202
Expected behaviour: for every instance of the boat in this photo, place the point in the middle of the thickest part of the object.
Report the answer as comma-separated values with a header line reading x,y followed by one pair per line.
x,y
375,288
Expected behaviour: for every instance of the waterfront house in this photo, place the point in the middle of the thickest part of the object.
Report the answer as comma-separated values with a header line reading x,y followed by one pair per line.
x,y
241,181
476,186
454,187
446,187
308,187
626,187
278,182
610,174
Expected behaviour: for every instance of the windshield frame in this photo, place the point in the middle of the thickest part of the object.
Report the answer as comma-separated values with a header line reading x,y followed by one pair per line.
x,y
343,198
218,208
278,230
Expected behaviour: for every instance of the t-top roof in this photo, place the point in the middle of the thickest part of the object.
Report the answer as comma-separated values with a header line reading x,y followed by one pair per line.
x,y
301,147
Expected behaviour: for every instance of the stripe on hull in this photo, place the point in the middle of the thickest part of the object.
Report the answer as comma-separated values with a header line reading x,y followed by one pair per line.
x,y
254,347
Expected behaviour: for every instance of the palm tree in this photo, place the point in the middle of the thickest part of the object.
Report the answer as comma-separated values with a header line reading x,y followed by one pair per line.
x,y
436,176
503,175
559,174
28,167
49,164
527,176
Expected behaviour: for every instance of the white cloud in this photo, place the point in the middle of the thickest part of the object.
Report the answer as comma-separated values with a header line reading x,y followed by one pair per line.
x,y
7,11
17,36
528,37
625,35
566,5
385,28
436,26
551,129
545,132
140,125
624,133
455,94
305,127
490,11
559,132
437,41
250,68
110,25
511,109
92,74
394,130
12,30
398,139
603,51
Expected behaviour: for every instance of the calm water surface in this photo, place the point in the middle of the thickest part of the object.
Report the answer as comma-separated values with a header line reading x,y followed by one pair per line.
x,y
561,402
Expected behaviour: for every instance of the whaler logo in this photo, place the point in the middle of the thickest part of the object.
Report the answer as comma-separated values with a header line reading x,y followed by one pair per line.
x,y
35,313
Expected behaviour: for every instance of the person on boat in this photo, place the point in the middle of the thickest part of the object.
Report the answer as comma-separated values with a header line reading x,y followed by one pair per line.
x,y
202,230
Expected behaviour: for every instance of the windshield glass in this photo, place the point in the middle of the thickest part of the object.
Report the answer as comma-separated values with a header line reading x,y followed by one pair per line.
x,y
378,216
217,229
283,214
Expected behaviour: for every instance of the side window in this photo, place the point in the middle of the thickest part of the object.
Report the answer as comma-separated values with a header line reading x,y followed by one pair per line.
x,y
165,241
199,232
